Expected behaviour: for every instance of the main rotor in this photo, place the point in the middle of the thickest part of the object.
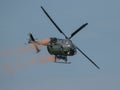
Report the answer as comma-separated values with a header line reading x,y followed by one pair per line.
x,y
72,35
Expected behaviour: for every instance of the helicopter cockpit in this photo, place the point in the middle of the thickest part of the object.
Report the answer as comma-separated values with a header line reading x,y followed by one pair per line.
x,y
61,47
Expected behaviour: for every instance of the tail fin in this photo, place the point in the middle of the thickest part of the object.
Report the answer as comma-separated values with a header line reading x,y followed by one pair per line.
x,y
33,42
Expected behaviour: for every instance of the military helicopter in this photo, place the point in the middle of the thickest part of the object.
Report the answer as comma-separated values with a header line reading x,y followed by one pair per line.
x,y
60,48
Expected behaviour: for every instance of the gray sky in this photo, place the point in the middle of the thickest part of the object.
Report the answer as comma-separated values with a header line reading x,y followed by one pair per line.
x,y
99,40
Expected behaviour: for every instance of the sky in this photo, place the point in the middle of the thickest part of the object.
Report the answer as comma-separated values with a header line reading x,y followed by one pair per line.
x,y
20,67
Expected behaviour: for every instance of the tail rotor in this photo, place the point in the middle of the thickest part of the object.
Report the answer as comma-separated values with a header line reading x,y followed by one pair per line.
x,y
33,42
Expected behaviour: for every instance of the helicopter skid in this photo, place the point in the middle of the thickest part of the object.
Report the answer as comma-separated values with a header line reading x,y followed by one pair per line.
x,y
64,62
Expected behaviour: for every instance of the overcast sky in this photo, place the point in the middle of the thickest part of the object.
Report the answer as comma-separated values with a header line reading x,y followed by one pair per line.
x,y
19,64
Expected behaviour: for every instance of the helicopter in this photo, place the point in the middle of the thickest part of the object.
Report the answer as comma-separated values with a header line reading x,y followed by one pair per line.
x,y
60,48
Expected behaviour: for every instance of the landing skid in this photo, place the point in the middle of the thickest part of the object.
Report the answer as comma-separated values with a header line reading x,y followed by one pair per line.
x,y
63,58
64,62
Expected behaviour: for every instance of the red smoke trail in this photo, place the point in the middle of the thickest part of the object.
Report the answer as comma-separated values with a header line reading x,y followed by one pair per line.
x,y
18,50
47,59
11,68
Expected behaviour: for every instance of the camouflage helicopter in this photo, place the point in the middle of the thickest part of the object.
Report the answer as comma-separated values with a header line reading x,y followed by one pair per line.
x,y
60,48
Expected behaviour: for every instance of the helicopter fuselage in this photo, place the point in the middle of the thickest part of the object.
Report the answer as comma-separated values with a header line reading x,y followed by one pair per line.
x,y
62,47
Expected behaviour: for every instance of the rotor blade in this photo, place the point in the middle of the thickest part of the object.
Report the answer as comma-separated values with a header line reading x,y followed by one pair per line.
x,y
88,58
31,36
53,22
80,28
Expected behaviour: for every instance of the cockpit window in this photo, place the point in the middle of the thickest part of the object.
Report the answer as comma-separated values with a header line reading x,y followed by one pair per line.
x,y
67,42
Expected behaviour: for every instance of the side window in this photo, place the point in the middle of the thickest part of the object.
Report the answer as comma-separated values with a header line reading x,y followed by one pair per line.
x,y
53,40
